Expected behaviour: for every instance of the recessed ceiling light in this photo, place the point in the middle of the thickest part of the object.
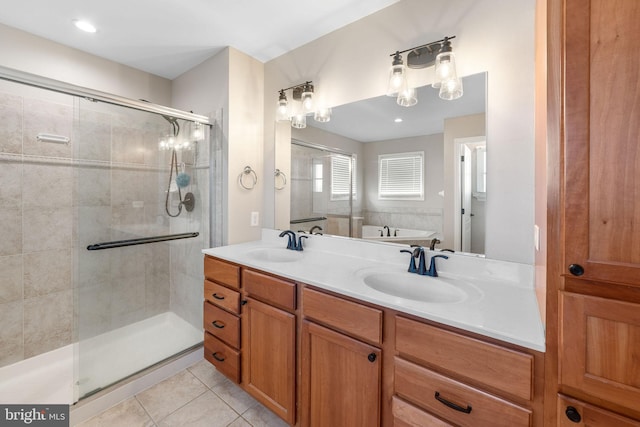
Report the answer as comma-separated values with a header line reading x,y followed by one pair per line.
x,y
398,120
84,26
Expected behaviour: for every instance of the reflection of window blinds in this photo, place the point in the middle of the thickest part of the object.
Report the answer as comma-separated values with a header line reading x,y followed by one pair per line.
x,y
400,176
341,177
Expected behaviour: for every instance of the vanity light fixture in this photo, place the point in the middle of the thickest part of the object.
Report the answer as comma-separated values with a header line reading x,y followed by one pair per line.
x,y
438,53
304,95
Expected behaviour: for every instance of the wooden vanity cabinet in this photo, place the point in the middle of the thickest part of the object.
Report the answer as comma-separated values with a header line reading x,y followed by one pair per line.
x,y
341,362
460,380
269,342
221,319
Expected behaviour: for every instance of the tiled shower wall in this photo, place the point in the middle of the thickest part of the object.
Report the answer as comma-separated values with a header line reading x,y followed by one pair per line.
x,y
107,184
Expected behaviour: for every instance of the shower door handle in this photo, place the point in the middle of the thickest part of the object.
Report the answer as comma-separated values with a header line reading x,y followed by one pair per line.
x,y
218,325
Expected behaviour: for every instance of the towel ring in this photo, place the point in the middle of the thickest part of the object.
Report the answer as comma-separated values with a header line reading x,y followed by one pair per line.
x,y
282,175
252,174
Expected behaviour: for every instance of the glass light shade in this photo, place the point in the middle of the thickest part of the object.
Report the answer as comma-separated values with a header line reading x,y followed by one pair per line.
x,y
299,121
306,99
322,115
451,89
445,68
397,79
407,97
282,111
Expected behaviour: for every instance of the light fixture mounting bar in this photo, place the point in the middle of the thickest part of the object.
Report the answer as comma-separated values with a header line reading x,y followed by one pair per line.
x,y
297,89
425,55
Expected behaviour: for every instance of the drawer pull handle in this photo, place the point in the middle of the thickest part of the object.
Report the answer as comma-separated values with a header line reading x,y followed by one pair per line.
x,y
573,414
218,358
216,296
217,325
451,405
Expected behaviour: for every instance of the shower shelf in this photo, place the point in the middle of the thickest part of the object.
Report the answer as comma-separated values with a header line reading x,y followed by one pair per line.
x,y
141,241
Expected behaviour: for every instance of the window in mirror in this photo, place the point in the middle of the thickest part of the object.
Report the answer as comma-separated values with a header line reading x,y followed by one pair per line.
x,y
341,177
400,176
317,176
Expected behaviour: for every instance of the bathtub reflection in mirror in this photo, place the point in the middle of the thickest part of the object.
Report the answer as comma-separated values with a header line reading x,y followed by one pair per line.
x,y
366,169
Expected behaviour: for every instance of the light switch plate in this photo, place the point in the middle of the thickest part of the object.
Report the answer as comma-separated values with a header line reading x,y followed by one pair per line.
x,y
255,219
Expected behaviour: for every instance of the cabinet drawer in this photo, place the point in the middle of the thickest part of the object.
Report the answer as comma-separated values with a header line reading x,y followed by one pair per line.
x,y
222,296
222,324
270,289
407,415
221,272
225,358
440,395
503,369
355,319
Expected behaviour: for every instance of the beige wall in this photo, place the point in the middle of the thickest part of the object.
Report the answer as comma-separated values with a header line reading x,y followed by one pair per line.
x,y
459,127
26,52
491,35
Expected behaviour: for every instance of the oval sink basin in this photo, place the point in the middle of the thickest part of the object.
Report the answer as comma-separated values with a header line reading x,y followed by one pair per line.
x,y
275,254
409,286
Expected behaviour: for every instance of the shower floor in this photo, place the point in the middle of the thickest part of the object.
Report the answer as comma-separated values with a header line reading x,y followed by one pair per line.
x,y
110,357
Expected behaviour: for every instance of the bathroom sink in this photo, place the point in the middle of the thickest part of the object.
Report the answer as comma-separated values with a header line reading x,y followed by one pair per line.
x,y
414,287
275,255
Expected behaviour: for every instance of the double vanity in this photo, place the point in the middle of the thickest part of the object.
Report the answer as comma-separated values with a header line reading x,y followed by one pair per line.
x,y
340,333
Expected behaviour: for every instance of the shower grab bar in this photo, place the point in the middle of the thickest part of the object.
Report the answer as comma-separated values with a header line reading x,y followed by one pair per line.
x,y
141,241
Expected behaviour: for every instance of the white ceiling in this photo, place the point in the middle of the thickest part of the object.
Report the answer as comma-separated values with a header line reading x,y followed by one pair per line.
x,y
169,37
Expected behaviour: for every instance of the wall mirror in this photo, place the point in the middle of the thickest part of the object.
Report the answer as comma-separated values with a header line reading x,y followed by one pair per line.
x,y
379,171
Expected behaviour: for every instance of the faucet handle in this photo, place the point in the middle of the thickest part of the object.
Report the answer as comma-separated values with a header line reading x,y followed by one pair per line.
x,y
299,247
432,266
412,262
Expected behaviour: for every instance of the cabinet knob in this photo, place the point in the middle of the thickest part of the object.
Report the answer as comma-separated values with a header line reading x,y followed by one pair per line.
x,y
372,357
573,414
576,269
244,302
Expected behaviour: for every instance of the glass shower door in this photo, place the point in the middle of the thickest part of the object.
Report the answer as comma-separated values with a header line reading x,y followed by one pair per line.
x,y
137,303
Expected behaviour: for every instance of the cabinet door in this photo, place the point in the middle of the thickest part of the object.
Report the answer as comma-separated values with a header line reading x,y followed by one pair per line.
x,y
600,348
602,129
341,379
268,358
574,413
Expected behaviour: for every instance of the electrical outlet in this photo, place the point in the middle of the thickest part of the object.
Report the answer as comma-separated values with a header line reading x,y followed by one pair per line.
x,y
536,237
255,219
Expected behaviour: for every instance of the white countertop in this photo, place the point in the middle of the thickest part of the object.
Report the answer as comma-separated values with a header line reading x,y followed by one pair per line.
x,y
503,304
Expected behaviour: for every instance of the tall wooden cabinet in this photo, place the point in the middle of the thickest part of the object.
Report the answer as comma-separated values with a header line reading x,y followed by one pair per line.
x,y
593,266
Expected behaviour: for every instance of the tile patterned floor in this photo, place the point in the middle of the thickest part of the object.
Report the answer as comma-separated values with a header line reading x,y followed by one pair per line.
x,y
199,396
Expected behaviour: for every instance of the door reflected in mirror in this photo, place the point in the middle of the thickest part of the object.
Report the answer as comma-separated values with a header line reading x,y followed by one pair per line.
x,y
389,173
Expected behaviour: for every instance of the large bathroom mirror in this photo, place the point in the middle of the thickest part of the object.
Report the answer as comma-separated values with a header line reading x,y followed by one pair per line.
x,y
389,173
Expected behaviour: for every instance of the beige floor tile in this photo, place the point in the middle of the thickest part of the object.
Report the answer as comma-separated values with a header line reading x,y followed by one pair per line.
x,y
259,416
207,410
234,396
125,414
239,422
171,394
207,373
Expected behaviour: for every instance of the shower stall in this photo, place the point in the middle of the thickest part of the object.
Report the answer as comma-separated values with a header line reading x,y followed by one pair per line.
x,y
105,210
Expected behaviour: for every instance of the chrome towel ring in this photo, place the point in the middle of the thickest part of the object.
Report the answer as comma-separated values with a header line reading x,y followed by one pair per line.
x,y
282,176
248,171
